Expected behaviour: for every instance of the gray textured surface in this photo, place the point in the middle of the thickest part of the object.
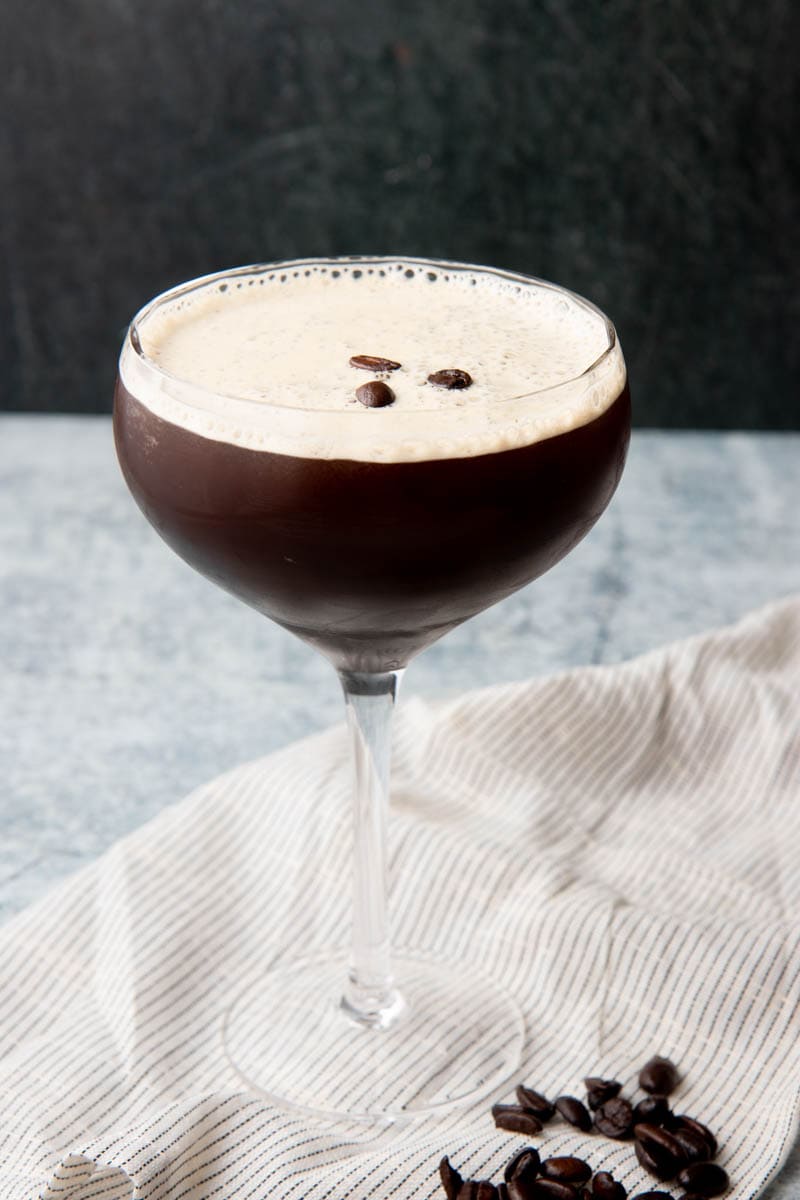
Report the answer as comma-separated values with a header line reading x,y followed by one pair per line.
x,y
645,155
127,680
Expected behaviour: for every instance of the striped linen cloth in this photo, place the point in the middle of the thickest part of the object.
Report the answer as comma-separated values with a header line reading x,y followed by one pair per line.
x,y
619,847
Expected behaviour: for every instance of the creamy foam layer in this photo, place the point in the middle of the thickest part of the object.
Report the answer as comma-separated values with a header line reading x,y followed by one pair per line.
x,y
260,358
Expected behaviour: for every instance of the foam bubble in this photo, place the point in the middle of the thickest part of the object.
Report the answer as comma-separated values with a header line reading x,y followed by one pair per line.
x,y
268,366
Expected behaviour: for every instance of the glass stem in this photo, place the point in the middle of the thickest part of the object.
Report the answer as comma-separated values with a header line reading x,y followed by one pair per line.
x,y
370,997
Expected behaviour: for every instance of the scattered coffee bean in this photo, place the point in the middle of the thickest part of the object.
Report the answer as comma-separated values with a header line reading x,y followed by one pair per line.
x,y
536,1102
662,1148
373,362
451,377
694,1146
655,1137
653,1165
614,1118
515,1119
566,1169
485,1190
682,1122
551,1189
451,1179
599,1090
706,1179
653,1109
520,1189
574,1112
375,394
658,1076
524,1165
606,1187
477,1189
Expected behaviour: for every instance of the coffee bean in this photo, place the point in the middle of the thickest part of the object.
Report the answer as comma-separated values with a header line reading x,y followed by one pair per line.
x,y
536,1102
502,1192
662,1148
566,1169
451,377
606,1187
551,1189
653,1109
694,1146
524,1165
520,1189
654,1166
657,1139
706,1179
515,1119
599,1090
451,1179
658,1076
574,1112
373,362
614,1118
477,1189
683,1122
375,394
652,1196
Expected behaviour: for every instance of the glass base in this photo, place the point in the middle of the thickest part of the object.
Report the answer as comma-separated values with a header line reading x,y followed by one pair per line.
x,y
456,1037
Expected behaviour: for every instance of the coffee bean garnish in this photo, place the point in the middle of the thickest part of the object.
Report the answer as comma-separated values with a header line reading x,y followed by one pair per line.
x,y
706,1179
614,1118
524,1165
574,1112
375,394
451,377
606,1187
450,1177
600,1090
653,1109
658,1076
515,1119
536,1102
567,1170
373,362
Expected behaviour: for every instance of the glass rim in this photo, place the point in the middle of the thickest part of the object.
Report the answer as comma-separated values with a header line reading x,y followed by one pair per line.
x,y
133,337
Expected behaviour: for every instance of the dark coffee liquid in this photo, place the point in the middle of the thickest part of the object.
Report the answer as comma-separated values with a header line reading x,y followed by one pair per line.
x,y
369,562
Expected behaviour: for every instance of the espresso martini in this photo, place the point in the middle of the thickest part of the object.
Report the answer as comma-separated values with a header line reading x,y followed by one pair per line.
x,y
371,531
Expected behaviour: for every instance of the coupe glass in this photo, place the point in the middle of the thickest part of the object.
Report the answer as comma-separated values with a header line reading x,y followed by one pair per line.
x,y
369,561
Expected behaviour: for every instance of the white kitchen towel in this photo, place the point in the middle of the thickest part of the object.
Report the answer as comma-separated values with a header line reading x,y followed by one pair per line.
x,y
619,847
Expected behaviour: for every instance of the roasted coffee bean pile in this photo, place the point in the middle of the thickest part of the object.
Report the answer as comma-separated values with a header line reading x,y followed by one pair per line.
x,y
668,1145
378,394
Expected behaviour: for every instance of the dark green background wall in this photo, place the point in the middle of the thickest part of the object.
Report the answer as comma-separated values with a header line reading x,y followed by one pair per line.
x,y
642,152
